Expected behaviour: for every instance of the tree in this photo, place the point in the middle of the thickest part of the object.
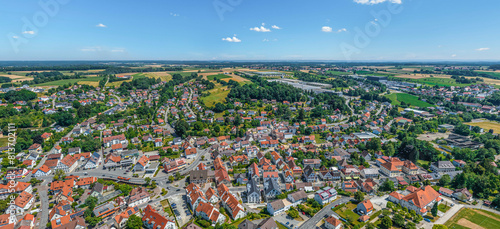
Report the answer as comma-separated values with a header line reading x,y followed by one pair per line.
x,y
134,222
398,220
59,174
445,180
386,222
181,128
147,180
439,226
293,213
388,185
359,196
91,202
434,210
92,221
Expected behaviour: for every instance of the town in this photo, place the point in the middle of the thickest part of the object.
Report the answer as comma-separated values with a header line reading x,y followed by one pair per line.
x,y
236,145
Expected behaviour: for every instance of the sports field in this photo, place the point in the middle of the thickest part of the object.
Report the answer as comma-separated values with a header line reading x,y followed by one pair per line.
x,y
474,219
397,98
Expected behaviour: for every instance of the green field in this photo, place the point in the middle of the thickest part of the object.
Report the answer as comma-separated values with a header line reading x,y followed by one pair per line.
x,y
219,76
397,98
72,81
495,74
473,218
216,95
337,73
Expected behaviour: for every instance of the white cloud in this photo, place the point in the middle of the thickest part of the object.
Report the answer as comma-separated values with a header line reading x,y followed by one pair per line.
x,y
482,49
454,55
373,2
265,40
15,37
103,49
174,15
260,29
100,25
92,49
231,39
29,32
275,27
342,30
326,29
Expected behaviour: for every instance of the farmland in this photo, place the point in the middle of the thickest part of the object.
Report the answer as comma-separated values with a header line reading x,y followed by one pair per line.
x,y
486,125
219,76
472,218
397,98
94,81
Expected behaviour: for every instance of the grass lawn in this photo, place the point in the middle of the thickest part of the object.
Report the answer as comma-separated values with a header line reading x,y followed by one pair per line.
x,y
319,139
443,207
219,76
397,98
281,226
486,125
422,162
72,81
347,212
3,142
473,218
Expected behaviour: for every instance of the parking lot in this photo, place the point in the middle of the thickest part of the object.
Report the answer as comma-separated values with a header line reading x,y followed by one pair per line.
x,y
180,208
287,221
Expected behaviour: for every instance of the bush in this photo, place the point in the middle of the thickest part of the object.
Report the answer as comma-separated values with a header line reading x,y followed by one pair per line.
x,y
203,223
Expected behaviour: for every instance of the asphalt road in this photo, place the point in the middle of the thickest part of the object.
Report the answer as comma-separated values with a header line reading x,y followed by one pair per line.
x,y
44,211
326,211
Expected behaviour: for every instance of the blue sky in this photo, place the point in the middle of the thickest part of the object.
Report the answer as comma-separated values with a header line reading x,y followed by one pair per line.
x,y
250,30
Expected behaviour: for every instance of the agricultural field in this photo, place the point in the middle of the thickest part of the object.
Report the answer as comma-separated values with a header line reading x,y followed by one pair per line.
x,y
93,81
397,98
218,76
337,73
474,219
16,78
486,125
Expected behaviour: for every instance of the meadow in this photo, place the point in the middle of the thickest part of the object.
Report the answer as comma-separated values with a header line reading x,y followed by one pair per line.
x,y
397,98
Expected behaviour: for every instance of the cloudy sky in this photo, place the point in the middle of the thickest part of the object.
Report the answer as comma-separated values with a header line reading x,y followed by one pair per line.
x,y
376,30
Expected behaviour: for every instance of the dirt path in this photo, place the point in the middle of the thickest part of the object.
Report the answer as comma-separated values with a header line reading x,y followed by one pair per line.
x,y
466,223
